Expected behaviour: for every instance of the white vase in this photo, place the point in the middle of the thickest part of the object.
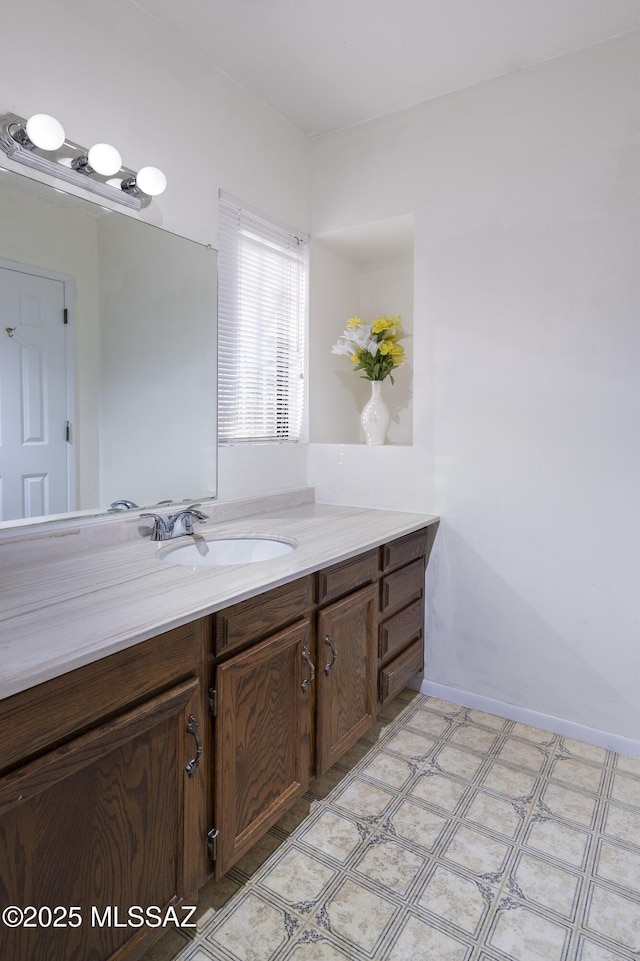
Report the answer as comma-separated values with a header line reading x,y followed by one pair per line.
x,y
375,417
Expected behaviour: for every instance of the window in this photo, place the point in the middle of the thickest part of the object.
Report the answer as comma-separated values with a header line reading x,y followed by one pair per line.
x,y
262,290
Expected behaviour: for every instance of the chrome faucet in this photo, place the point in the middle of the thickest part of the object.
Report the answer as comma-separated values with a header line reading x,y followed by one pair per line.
x,y
175,525
185,520
123,505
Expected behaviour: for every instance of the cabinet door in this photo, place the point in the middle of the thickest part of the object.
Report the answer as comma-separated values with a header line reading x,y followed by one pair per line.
x,y
345,673
98,825
261,739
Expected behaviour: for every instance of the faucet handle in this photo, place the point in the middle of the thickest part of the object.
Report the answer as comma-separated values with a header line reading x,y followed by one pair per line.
x,y
197,514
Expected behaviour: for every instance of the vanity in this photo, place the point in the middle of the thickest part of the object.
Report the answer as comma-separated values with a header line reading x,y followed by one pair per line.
x,y
157,719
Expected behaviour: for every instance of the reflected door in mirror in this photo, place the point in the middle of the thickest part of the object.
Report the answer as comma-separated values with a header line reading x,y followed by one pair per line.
x,y
34,469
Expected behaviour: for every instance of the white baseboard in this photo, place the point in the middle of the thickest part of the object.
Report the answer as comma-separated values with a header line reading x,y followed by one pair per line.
x,y
557,725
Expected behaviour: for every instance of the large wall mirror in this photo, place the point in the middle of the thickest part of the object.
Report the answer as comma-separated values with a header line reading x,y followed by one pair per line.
x,y
108,365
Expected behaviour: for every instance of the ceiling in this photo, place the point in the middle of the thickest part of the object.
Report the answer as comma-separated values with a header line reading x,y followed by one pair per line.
x,y
328,64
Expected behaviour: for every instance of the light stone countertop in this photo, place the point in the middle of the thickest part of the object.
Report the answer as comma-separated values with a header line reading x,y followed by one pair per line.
x,y
72,606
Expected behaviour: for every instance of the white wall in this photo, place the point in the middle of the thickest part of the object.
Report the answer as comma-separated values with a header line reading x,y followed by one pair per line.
x,y
110,73
526,194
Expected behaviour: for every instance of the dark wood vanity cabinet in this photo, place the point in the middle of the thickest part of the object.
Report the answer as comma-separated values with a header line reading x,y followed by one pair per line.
x,y
400,638
104,817
299,675
345,673
261,739
132,780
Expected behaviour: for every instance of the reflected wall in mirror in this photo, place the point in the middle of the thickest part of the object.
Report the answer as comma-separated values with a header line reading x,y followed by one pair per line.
x,y
119,402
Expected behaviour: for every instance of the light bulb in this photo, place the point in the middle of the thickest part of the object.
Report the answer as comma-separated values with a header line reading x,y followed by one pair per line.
x,y
151,181
45,131
104,159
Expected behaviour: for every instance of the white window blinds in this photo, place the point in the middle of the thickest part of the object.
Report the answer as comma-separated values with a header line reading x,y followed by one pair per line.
x,y
262,296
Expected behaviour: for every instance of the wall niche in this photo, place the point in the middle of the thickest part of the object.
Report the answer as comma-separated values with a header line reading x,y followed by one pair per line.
x,y
364,270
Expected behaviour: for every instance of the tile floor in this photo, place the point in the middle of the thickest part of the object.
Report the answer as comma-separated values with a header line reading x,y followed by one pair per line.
x,y
446,834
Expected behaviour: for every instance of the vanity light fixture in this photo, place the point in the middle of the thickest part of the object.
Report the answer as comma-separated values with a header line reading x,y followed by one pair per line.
x,y
41,143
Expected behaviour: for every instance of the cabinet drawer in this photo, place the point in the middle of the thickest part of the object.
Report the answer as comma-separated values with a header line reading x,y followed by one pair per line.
x,y
404,549
342,578
51,712
393,678
251,620
405,626
402,587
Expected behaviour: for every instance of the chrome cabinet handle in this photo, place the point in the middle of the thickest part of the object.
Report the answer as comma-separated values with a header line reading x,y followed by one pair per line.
x,y
192,728
306,656
327,668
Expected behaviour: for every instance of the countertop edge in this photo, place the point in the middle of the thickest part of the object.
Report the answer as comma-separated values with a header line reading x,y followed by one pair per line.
x,y
38,667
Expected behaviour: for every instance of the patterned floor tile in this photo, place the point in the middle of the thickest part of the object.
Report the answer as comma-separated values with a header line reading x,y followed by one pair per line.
x,y
618,864
454,760
415,823
410,744
313,946
558,840
296,877
357,915
475,851
445,834
497,814
546,884
626,789
631,765
204,954
507,781
432,724
578,773
439,790
614,916
522,754
589,950
254,931
487,720
456,900
476,738
524,935
442,707
622,823
363,799
588,752
334,835
390,865
419,941
391,771
564,802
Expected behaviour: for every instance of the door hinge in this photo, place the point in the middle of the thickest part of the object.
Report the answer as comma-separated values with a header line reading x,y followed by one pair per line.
x,y
212,843
65,316
213,702
67,432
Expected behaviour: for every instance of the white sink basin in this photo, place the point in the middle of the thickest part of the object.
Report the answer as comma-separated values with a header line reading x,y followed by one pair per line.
x,y
223,552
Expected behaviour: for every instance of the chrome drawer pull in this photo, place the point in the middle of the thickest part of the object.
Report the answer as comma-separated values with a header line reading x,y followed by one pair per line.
x,y
327,668
192,728
306,656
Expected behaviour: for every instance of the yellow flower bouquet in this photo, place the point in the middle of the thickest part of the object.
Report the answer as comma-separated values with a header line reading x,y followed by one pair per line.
x,y
372,347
